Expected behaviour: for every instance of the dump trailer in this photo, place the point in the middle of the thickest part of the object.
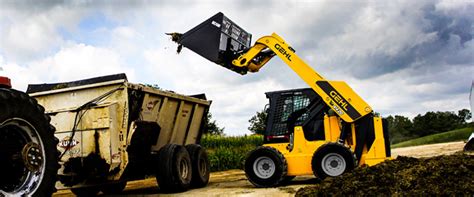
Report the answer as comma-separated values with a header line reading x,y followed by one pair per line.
x,y
28,156
111,131
325,130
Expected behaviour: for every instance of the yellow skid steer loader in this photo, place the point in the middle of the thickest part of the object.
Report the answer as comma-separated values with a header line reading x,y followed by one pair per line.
x,y
325,130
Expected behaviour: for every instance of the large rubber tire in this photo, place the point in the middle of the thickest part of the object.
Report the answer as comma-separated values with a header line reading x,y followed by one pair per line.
x,y
28,154
174,172
114,188
86,191
265,167
201,166
469,145
332,160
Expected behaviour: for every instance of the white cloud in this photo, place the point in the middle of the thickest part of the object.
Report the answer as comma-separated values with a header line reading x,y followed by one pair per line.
x,y
404,57
29,33
74,62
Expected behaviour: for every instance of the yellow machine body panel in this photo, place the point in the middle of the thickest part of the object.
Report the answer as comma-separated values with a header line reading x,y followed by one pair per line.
x,y
376,153
300,157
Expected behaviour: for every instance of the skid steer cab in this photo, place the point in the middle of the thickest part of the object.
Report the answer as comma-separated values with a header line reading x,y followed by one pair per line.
x,y
304,136
325,130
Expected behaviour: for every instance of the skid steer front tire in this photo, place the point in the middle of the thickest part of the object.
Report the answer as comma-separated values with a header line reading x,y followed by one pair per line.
x,y
265,167
332,160
201,166
28,154
174,169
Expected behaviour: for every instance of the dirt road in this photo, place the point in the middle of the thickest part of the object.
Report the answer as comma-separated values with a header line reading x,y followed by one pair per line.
x,y
234,183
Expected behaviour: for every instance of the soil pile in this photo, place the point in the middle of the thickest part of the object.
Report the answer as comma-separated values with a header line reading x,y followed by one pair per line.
x,y
442,175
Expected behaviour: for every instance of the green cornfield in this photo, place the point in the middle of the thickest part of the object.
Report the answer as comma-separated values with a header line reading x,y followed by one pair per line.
x,y
227,153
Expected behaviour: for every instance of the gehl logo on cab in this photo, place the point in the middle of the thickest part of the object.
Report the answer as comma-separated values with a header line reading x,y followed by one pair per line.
x,y
283,51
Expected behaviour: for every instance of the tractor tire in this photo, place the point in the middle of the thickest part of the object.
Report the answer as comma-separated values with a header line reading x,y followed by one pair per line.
x,y
28,154
86,191
174,172
201,166
114,188
332,160
265,167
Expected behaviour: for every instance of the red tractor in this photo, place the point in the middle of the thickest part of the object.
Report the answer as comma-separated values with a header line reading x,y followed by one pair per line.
x,y
28,154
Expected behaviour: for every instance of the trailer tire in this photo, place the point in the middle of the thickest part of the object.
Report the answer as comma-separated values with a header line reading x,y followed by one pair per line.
x,y
86,191
114,188
27,147
174,172
332,160
265,167
201,166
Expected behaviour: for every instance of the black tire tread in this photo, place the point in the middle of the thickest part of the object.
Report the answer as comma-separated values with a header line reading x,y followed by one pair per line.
x,y
264,150
14,103
328,147
469,146
167,180
195,152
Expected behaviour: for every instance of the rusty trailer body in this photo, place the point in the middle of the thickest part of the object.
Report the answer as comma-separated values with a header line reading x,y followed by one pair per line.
x,y
110,130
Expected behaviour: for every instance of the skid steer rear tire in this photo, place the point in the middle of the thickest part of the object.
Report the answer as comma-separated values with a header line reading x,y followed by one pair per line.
x,y
174,170
332,160
265,167
28,154
201,166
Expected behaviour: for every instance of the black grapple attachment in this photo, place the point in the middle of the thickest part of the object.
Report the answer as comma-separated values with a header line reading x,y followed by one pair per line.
x,y
218,39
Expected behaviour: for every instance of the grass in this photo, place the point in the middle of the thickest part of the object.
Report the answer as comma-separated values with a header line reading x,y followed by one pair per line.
x,y
449,136
227,153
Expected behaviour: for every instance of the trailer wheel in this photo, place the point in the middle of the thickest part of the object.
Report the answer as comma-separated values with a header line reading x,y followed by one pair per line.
x,y
28,154
332,160
86,191
201,166
174,170
265,167
114,188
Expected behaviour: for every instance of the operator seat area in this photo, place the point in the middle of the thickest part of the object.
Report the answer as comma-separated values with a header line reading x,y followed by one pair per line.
x,y
296,107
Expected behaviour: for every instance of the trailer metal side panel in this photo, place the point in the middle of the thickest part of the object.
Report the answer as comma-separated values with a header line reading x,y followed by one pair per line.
x,y
121,110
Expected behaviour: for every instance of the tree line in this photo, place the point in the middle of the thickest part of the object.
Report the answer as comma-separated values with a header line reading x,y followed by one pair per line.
x,y
400,127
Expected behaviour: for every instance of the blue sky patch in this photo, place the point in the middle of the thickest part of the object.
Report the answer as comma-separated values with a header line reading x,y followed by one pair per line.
x,y
92,30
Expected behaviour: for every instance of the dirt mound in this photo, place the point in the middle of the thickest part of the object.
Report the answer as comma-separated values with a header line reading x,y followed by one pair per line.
x,y
442,175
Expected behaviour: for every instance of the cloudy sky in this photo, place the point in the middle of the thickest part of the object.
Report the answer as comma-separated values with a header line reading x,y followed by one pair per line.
x,y
402,57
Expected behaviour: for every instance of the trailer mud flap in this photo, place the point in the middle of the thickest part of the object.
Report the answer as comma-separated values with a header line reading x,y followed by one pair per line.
x,y
139,151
